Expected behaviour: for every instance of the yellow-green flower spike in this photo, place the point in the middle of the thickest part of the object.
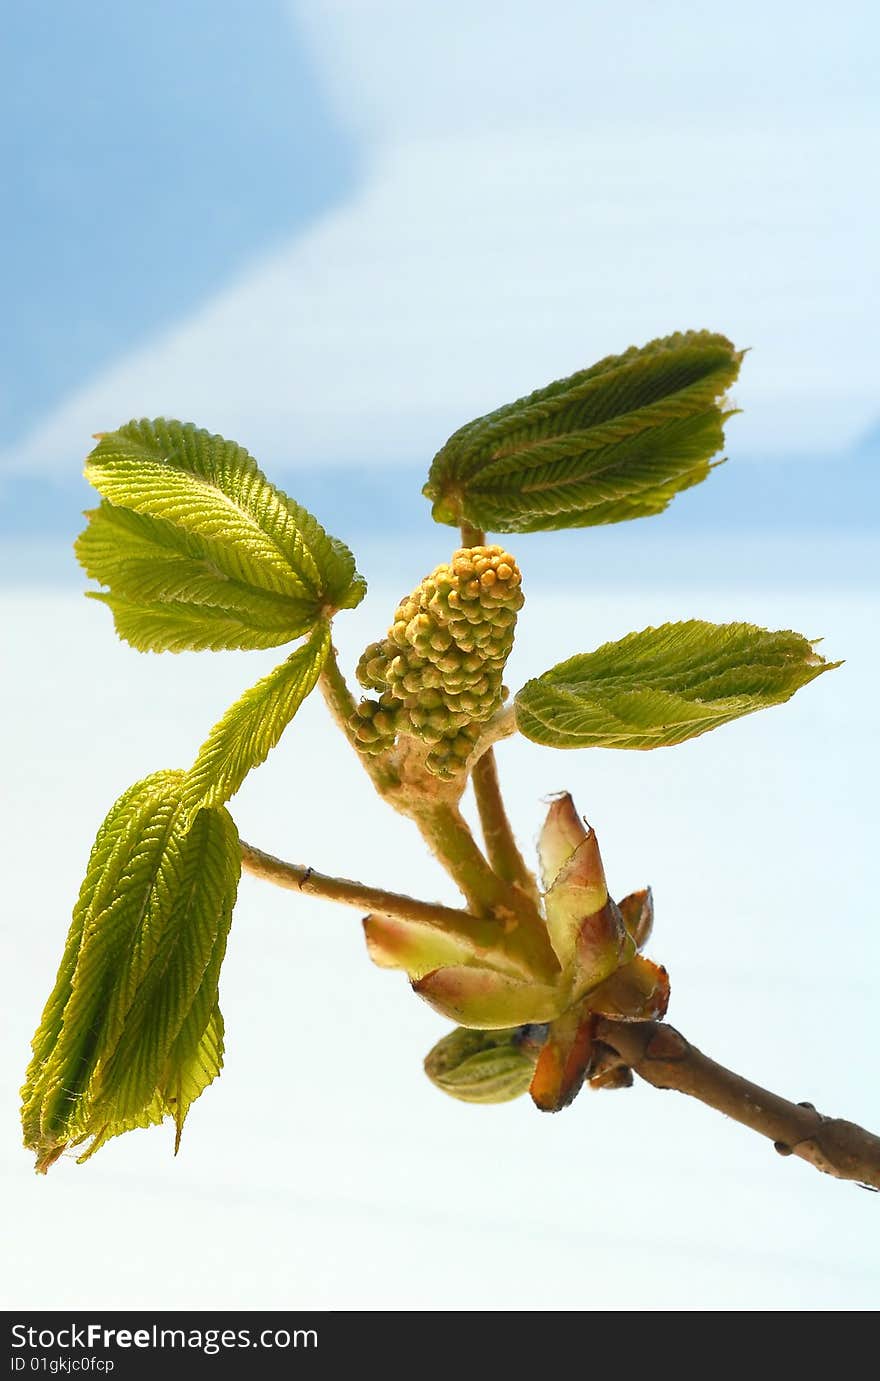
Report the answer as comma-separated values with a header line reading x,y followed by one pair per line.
x,y
374,724
439,671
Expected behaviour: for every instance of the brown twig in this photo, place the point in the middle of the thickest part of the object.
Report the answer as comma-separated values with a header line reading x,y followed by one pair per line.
x,y
518,944
661,1056
298,878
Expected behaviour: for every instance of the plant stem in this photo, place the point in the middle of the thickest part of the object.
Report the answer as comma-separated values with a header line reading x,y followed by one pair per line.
x,y
404,785
472,536
402,781
448,835
299,878
661,1056
501,845
337,695
508,948
501,725
341,704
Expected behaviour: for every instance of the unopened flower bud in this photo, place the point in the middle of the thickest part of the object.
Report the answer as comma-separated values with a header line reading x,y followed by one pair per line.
x,y
443,660
374,725
373,666
482,1066
585,926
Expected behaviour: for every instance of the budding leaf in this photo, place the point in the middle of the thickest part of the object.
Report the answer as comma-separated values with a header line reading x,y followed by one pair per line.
x,y
199,550
419,948
638,991
131,1032
665,685
637,913
482,1066
487,999
613,442
251,727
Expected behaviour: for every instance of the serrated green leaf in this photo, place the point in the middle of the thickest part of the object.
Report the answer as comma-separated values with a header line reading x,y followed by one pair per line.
x,y
665,685
168,973
199,550
195,1061
125,1038
251,727
482,1066
613,442
189,1073
183,627
169,593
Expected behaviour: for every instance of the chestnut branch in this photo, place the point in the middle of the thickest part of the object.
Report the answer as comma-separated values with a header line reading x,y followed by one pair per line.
x,y
653,1050
663,1057
299,878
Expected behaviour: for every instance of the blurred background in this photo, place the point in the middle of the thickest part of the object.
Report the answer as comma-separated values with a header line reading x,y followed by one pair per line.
x,y
336,231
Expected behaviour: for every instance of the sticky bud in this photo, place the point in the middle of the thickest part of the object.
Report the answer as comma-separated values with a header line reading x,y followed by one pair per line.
x,y
564,1061
585,926
563,832
482,1066
637,911
487,1000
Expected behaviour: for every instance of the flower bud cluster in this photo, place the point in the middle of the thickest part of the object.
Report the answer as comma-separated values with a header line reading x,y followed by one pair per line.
x,y
438,672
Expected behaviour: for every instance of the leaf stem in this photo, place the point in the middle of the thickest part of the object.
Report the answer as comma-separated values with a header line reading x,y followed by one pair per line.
x,y
341,704
299,878
514,943
472,536
402,781
501,845
661,1056
501,725
448,835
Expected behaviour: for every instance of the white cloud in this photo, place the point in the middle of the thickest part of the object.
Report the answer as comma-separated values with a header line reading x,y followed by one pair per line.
x,y
524,243
446,67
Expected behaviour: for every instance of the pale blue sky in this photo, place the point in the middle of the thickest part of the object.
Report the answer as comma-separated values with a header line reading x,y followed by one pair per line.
x,y
337,230
146,153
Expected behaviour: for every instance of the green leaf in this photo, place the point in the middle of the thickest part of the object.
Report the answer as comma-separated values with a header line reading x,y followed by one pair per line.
x,y
175,980
665,685
168,593
251,727
130,1033
613,442
191,1068
199,550
196,1058
182,627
